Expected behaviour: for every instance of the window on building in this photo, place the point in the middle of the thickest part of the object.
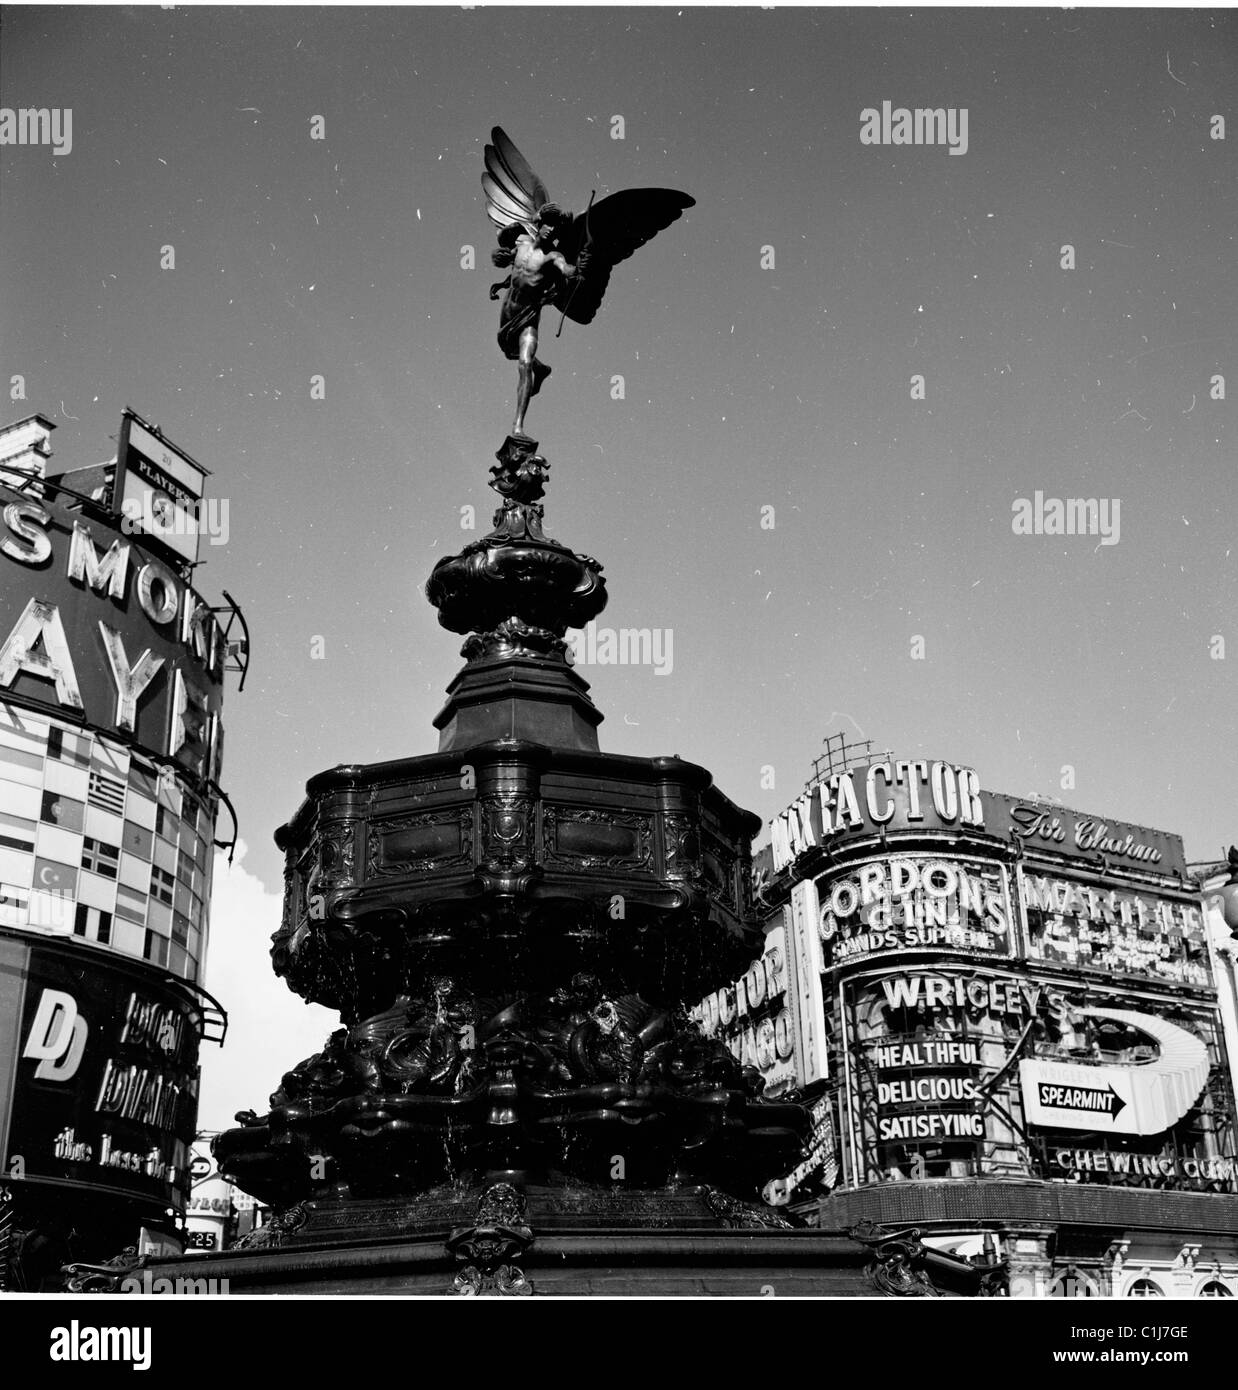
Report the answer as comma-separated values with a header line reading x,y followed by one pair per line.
x,y
1145,1288
62,811
1215,1289
1073,1283
184,868
16,832
100,858
93,923
142,779
180,928
68,747
106,793
162,885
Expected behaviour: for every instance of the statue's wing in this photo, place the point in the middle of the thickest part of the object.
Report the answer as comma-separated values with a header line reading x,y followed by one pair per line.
x,y
513,191
611,231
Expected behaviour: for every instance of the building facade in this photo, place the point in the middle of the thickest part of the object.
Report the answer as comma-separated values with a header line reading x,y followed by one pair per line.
x,y
1007,1015
111,688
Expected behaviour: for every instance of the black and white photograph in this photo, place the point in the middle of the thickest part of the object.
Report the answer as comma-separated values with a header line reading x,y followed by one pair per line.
x,y
617,668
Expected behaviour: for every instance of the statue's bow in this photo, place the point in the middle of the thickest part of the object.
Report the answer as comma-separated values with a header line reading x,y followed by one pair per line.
x,y
588,241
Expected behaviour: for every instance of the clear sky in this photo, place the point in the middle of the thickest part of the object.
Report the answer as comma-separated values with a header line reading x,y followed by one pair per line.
x,y
745,385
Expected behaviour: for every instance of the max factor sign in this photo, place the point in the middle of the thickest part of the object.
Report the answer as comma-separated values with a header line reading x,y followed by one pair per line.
x,y
907,794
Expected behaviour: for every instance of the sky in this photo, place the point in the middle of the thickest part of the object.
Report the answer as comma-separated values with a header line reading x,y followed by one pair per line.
x,y
769,345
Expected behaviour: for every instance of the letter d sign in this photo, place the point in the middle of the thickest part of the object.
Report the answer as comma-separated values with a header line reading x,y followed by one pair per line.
x,y
57,1037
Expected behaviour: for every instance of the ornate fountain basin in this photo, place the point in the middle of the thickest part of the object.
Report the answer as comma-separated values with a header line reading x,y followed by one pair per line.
x,y
510,862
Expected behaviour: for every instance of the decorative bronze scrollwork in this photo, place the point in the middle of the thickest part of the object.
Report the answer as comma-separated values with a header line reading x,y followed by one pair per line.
x,y
485,1249
101,1278
744,1216
896,1270
281,1225
420,843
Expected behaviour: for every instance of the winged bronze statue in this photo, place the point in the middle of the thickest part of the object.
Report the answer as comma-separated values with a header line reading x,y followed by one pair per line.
x,y
556,257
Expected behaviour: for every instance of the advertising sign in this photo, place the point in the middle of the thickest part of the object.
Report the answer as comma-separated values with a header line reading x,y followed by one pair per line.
x,y
1146,1095
1118,1165
1117,930
820,1162
927,1091
908,794
158,487
1055,829
158,1243
105,1086
924,1045
914,903
804,935
210,1205
96,628
751,1016
952,1070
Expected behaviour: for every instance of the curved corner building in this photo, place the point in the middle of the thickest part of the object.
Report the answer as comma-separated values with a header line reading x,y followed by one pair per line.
x,y
111,683
1007,1013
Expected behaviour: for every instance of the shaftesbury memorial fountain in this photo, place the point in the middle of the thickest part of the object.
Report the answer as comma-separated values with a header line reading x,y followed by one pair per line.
x,y
516,1101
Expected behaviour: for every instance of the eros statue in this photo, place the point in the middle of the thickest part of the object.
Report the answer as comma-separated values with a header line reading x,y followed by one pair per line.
x,y
555,257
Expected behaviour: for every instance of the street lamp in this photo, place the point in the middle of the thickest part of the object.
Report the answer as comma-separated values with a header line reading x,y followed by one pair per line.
x,y
1228,893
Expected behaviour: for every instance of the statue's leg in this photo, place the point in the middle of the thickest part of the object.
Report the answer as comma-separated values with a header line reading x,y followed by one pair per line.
x,y
525,376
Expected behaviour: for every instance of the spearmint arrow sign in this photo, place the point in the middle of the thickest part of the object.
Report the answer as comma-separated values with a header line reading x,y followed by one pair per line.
x,y
1057,1097
1145,1097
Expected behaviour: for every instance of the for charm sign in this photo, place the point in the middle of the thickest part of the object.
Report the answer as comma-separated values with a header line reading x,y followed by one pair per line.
x,y
1061,831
